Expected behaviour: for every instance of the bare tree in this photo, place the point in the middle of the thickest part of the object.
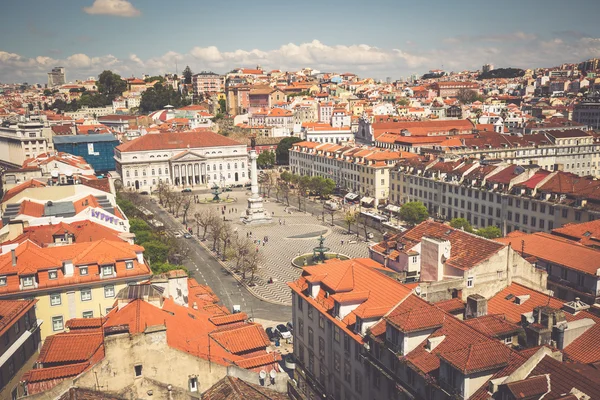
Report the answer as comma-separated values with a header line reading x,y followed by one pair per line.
x,y
331,212
178,199
226,236
363,221
350,218
242,247
216,227
268,181
204,218
186,202
251,263
284,188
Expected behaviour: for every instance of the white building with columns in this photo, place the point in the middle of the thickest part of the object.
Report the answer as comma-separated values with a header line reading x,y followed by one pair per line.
x,y
181,159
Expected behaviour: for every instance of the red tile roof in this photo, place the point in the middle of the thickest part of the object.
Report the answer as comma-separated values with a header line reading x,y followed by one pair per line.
x,y
52,373
494,326
478,357
176,140
586,233
557,250
11,311
244,339
70,347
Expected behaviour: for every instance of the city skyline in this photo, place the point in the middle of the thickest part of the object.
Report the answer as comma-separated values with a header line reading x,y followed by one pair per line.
x,y
378,39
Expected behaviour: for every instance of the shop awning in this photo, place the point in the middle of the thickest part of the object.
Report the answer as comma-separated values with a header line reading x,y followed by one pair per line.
x,y
367,200
392,208
351,196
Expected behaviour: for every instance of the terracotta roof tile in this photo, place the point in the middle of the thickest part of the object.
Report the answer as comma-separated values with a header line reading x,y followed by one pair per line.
x,y
177,140
494,326
478,357
242,339
70,347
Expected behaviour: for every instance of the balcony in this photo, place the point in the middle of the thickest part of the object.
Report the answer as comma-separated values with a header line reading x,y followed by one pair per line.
x,y
582,290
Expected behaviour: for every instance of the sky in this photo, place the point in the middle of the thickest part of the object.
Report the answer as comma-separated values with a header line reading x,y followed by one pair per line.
x,y
376,38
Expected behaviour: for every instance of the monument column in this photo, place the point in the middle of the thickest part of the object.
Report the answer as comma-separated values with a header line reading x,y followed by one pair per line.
x,y
255,213
254,173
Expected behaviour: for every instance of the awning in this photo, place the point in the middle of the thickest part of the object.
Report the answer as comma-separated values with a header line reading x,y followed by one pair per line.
x,y
367,200
351,196
392,208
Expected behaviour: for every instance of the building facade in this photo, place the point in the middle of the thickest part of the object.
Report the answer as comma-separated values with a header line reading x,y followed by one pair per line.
x,y
24,140
56,77
20,331
96,149
587,112
181,159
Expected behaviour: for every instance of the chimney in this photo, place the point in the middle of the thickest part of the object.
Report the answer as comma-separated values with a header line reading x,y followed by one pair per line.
x,y
13,254
15,229
476,306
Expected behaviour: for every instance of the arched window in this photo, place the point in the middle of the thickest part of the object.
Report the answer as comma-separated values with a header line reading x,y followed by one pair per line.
x,y
153,172
208,167
221,167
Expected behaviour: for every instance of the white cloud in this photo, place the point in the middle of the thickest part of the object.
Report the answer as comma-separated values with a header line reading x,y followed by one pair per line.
x,y
454,55
118,8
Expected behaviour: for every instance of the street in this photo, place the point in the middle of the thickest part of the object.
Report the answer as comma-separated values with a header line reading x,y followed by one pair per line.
x,y
208,271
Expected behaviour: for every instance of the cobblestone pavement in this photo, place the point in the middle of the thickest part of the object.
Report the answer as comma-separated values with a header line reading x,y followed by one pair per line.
x,y
297,234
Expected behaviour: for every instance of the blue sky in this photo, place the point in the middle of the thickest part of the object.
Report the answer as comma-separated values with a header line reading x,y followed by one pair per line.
x,y
375,38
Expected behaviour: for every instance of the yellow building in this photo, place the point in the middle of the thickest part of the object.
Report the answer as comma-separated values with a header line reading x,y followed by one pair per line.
x,y
70,280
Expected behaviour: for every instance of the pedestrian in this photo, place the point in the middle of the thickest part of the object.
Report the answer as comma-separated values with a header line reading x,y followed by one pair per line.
x,y
342,242
263,244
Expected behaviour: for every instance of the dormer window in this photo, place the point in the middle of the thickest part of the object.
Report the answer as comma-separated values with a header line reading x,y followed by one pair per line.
x,y
107,270
2,280
53,274
27,281
83,271
129,264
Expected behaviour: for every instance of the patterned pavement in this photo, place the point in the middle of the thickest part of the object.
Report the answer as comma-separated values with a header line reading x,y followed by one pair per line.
x,y
298,236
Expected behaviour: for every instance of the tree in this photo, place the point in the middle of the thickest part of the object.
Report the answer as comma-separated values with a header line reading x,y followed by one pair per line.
x,y
461,223
157,97
187,75
186,203
268,182
251,263
466,96
223,106
216,227
282,151
156,251
331,212
47,92
266,159
350,218
111,85
363,221
159,78
242,247
403,101
226,235
204,219
302,186
413,213
489,232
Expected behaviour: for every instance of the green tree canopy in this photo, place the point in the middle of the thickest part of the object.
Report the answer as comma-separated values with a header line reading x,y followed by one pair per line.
x,y
159,78
187,75
265,159
467,96
111,85
222,106
461,223
157,97
283,150
156,251
489,232
414,212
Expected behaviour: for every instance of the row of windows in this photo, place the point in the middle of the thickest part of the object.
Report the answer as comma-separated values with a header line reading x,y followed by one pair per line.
x,y
85,295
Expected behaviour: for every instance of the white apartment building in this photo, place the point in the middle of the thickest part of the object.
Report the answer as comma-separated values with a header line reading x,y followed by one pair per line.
x,y
181,159
509,196
570,150
23,140
362,170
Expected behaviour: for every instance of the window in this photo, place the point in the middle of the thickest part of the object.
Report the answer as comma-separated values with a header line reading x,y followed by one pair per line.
x,y
580,280
470,282
565,213
525,219
27,281
336,333
55,299
11,367
129,264
52,274
500,274
88,314
310,312
517,217
577,215
346,342
300,304
109,291
57,323
508,340
321,347
564,273
311,361
193,384
311,337
17,327
2,280
83,271
321,321
347,371
410,376
107,270
357,382
86,294
137,370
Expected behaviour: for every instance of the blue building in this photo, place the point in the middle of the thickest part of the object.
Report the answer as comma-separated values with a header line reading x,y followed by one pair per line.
x,y
97,149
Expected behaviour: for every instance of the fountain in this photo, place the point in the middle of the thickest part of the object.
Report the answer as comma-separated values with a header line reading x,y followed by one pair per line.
x,y
321,250
319,255
215,191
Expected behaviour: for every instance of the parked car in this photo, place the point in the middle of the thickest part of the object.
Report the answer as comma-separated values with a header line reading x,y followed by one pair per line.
x,y
284,332
177,235
272,333
290,326
186,190
187,236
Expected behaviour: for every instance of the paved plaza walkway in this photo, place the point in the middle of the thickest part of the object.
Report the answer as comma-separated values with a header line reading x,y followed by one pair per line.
x,y
297,234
